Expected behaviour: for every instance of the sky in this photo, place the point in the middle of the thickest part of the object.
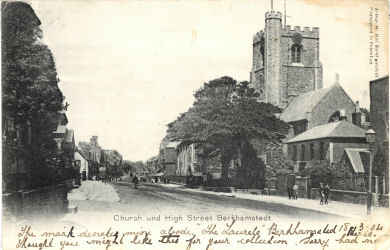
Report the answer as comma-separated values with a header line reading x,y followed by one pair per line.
x,y
128,68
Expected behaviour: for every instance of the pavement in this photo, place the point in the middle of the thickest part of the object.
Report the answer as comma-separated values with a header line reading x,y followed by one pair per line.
x,y
87,191
343,209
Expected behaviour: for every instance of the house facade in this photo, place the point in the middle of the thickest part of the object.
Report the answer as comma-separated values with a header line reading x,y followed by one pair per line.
x,y
82,161
325,142
93,151
167,157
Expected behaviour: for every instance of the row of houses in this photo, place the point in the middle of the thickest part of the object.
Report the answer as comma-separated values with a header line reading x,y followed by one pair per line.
x,y
94,161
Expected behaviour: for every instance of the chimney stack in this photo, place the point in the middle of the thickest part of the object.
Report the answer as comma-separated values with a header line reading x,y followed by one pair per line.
x,y
337,80
343,117
94,140
357,115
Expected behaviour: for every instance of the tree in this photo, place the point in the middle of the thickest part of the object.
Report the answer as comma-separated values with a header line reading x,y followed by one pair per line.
x,y
366,112
379,163
224,116
127,167
31,97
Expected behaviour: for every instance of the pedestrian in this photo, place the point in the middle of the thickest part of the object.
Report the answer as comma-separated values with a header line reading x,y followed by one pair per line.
x,y
326,193
295,188
322,193
290,192
135,181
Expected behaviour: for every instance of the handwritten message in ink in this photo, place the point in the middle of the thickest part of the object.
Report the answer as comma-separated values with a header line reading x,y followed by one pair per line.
x,y
207,235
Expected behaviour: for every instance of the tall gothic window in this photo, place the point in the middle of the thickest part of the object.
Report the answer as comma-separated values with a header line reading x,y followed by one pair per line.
x,y
296,53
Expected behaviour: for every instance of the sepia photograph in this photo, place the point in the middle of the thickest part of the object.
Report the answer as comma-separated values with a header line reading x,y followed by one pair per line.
x,y
200,124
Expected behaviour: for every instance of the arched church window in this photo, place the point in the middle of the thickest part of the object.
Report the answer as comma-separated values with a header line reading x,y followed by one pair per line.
x,y
296,53
296,48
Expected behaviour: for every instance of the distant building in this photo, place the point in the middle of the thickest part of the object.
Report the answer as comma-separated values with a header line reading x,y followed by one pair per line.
x,y
82,162
187,160
325,142
93,152
152,164
167,157
64,138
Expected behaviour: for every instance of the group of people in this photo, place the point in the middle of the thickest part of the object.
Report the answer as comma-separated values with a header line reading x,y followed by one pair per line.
x,y
293,192
324,190
324,193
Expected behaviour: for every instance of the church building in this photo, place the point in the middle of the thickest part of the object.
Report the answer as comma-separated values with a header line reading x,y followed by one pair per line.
x,y
287,72
285,61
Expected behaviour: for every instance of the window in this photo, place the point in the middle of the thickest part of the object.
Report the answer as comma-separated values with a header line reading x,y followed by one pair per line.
x,y
311,151
302,152
295,152
322,153
296,53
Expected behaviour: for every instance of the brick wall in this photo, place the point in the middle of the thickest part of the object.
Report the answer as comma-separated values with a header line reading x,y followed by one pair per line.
x,y
42,201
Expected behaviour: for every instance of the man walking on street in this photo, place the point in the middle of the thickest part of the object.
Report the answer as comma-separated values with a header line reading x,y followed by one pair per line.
x,y
135,181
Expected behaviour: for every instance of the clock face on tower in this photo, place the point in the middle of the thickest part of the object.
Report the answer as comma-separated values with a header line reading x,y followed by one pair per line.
x,y
297,38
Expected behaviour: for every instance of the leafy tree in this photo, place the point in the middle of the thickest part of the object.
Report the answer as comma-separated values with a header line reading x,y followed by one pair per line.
x,y
224,116
366,112
379,163
31,97
127,167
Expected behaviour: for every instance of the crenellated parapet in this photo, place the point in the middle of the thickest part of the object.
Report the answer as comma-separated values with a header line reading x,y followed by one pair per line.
x,y
257,37
273,15
306,32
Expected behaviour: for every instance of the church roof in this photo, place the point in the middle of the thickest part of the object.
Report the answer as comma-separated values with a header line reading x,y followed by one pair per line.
x,y
340,129
297,109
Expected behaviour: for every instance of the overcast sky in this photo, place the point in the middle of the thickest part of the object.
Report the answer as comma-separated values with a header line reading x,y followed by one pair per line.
x,y
128,68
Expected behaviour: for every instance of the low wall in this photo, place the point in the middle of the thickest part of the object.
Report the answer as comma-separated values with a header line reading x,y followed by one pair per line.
x,y
40,201
342,195
178,179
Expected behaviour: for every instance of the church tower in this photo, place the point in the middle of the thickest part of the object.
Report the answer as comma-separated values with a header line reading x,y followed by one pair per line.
x,y
285,61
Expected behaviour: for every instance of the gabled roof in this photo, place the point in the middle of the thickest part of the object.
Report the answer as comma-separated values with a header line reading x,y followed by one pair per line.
x,y
297,109
81,152
61,129
354,155
340,129
172,144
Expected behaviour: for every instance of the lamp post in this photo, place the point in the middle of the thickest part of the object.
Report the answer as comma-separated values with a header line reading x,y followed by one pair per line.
x,y
370,138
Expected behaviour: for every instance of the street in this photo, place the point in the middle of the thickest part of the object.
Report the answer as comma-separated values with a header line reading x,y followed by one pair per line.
x,y
106,209
152,199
